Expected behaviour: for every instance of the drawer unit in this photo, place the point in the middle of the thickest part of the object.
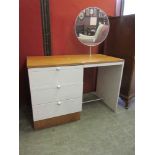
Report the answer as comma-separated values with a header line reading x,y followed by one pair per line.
x,y
56,91
56,108
51,76
62,92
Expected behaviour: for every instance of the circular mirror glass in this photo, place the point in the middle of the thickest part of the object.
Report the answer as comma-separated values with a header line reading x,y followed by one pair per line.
x,y
92,26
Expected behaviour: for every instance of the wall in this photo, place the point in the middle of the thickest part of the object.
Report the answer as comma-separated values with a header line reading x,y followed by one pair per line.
x,y
63,14
30,40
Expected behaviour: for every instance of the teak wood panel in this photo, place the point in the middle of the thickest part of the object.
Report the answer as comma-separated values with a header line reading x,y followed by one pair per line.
x,y
56,120
64,60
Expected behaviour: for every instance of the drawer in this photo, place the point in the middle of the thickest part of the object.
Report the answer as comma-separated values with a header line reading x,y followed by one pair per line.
x,y
50,76
56,108
41,96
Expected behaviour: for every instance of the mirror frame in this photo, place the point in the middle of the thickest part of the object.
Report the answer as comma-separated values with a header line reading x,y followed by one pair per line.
x,y
75,24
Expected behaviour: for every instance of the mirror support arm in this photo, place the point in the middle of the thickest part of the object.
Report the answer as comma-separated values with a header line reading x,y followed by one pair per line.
x,y
90,50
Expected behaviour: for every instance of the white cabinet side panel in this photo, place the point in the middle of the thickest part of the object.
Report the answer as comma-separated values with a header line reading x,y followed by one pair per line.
x,y
108,84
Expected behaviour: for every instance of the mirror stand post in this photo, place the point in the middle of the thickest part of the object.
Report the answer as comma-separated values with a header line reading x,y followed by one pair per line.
x,y
90,50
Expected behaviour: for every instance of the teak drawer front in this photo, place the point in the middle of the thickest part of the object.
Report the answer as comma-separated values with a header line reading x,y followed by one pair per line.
x,y
49,77
56,108
42,96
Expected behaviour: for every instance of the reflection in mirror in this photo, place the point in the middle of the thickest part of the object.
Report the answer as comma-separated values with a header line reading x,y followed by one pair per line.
x,y
91,26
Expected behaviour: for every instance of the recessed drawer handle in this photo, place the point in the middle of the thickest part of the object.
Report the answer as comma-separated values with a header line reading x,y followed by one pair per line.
x,y
58,68
58,86
59,103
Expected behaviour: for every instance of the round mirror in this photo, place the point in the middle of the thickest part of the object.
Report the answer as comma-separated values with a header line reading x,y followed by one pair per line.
x,y
92,26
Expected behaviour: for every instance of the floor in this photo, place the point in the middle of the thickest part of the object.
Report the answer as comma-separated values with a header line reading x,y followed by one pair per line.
x,y
99,132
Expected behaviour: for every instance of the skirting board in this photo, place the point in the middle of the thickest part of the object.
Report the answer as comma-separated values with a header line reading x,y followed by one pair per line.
x,y
56,120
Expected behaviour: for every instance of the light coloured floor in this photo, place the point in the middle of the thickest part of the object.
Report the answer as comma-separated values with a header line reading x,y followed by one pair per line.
x,y
99,132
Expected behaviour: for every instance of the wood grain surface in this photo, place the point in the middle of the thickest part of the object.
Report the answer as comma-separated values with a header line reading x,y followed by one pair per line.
x,y
67,60
56,120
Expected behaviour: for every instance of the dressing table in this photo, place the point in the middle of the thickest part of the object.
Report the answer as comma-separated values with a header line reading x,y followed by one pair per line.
x,y
56,85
